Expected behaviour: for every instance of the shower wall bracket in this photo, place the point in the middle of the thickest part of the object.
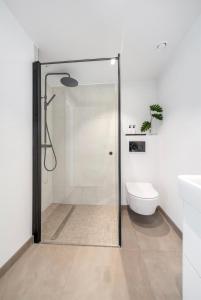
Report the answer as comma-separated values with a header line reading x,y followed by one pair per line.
x,y
45,146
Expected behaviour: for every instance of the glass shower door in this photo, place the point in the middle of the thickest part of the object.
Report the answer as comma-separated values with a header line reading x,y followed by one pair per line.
x,y
80,197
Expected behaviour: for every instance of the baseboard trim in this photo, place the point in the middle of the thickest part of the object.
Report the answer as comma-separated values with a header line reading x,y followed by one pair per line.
x,y
176,229
15,257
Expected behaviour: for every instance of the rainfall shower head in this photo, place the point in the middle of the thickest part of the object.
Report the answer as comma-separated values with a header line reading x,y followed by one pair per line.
x,y
69,81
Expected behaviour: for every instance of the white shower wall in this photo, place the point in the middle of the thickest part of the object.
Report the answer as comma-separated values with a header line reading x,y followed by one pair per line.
x,y
84,127
47,177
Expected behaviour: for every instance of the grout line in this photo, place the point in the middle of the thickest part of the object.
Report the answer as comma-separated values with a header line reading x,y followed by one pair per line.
x,y
63,223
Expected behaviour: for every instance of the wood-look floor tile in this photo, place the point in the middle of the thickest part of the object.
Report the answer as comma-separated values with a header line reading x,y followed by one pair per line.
x,y
147,267
164,272
129,237
154,232
41,273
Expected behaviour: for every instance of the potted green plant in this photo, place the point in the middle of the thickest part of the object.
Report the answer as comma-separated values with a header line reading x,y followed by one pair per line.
x,y
155,112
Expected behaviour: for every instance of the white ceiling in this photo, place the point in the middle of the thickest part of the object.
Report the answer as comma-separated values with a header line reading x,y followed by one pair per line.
x,y
76,29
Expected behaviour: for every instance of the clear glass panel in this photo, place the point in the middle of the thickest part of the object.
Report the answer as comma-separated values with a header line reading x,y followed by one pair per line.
x,y
80,196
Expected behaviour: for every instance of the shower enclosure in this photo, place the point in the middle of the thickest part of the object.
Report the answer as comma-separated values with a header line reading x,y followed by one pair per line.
x,y
77,201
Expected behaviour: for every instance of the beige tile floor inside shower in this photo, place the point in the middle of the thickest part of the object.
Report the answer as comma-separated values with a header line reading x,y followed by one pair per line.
x,y
80,224
147,267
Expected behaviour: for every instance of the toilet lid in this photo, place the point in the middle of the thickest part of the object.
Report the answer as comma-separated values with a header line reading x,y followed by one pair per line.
x,y
141,189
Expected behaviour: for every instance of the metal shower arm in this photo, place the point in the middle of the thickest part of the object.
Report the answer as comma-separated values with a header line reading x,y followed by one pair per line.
x,y
55,73
52,74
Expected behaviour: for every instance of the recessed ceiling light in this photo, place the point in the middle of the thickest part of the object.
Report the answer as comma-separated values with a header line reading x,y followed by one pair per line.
x,y
113,61
161,46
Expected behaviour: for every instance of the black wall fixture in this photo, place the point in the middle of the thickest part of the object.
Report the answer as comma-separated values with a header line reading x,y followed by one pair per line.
x,y
136,146
37,142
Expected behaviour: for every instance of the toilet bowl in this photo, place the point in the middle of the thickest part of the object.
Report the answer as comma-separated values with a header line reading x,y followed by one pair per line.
x,y
142,197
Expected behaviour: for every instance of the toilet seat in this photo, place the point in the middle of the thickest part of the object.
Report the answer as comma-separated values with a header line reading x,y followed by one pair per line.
x,y
139,198
144,190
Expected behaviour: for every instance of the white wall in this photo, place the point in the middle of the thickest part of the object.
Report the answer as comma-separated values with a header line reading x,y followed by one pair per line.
x,y
94,136
73,116
180,136
16,57
84,130
136,99
59,142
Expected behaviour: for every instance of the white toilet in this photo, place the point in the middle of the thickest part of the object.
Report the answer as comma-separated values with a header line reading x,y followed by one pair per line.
x,y
142,197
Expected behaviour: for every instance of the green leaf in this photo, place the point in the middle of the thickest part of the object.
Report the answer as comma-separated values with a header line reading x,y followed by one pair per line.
x,y
158,116
156,107
145,126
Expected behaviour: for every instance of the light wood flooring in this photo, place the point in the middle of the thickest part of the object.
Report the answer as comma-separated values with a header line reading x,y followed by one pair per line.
x,y
148,266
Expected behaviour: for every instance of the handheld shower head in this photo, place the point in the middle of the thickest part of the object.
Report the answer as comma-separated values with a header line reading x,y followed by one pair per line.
x,y
69,81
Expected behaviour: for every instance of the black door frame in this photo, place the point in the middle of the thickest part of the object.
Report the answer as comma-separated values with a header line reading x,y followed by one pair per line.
x,y
36,165
36,221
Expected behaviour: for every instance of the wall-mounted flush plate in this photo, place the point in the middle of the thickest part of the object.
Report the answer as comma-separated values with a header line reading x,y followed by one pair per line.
x,y
135,146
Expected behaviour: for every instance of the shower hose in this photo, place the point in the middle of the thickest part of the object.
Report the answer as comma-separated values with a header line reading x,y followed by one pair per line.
x,y
48,146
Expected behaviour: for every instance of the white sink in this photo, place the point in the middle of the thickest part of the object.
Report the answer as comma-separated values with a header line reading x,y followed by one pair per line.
x,y
190,189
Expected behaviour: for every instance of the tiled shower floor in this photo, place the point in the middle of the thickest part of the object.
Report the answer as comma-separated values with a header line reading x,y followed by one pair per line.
x,y
80,225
